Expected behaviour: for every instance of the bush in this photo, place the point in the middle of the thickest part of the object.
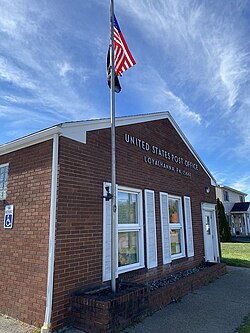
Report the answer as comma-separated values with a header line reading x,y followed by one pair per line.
x,y
224,228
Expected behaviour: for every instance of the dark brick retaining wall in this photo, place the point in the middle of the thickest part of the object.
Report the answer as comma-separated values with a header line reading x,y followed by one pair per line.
x,y
174,291
97,315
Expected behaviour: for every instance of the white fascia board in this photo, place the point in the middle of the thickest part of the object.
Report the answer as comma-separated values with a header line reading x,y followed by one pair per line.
x,y
30,140
78,130
232,190
241,212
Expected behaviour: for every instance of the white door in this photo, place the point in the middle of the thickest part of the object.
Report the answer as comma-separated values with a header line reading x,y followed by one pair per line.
x,y
209,247
210,233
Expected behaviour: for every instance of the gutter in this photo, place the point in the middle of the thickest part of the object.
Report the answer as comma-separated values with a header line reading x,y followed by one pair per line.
x,y
51,258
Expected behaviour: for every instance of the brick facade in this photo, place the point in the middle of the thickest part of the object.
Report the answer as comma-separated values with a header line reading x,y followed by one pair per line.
x,y
24,249
79,224
83,169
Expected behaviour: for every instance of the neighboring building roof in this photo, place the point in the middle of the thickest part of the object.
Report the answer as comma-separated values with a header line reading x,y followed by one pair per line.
x,y
77,130
223,187
240,207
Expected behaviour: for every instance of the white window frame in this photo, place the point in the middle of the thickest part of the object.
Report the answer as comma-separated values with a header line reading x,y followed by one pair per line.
x,y
4,196
177,226
132,227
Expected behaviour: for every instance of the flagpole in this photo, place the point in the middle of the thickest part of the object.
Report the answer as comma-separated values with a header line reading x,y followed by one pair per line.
x,y
113,153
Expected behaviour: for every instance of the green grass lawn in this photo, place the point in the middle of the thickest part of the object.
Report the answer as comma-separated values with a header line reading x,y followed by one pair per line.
x,y
236,254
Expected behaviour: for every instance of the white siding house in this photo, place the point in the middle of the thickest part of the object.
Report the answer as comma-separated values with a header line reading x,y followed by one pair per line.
x,y
236,209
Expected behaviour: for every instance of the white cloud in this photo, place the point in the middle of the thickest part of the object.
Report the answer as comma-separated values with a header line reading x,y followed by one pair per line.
x,y
37,63
181,108
11,73
243,184
206,47
155,91
64,68
19,18
229,72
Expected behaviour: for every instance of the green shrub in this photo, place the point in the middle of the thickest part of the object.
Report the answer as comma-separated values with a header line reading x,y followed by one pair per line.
x,y
224,228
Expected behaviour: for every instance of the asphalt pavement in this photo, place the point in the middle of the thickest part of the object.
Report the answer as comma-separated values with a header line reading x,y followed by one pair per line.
x,y
219,307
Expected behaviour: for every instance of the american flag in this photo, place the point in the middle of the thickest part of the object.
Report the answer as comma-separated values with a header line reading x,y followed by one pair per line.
x,y
122,56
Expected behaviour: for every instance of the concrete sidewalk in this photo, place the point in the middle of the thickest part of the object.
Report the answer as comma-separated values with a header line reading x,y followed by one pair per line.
x,y
217,308
10,325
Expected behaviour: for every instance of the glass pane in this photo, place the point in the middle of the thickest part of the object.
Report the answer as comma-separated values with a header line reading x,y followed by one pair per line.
x,y
208,225
173,211
128,252
127,208
175,236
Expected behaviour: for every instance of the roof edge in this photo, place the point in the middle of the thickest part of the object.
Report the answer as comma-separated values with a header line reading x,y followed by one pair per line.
x,y
68,129
30,140
231,189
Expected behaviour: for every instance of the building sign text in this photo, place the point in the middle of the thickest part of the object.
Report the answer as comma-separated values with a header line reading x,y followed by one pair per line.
x,y
162,156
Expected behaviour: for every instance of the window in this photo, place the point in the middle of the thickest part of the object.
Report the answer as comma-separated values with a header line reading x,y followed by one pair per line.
x,y
130,230
208,225
241,198
4,170
225,194
176,227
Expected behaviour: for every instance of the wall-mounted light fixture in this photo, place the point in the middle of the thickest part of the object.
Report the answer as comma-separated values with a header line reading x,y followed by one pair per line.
x,y
108,196
207,189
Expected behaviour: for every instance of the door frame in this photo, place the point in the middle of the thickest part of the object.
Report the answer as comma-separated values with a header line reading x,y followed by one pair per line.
x,y
205,206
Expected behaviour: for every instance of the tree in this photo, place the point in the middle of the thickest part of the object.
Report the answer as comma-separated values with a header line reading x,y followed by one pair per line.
x,y
224,228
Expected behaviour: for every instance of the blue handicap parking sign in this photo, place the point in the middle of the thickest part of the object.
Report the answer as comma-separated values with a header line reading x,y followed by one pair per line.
x,y
8,216
8,221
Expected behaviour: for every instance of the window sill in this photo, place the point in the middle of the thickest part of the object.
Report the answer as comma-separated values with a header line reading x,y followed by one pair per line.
x,y
177,256
129,268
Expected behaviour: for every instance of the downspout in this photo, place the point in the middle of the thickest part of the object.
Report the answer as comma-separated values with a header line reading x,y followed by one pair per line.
x,y
51,257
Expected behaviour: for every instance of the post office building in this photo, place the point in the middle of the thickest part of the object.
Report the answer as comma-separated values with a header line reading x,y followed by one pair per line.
x,y
56,230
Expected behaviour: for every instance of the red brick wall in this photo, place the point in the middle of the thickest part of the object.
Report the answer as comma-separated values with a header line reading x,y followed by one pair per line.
x,y
83,169
24,249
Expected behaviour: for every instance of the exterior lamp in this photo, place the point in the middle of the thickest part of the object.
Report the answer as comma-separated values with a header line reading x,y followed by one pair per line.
x,y
207,189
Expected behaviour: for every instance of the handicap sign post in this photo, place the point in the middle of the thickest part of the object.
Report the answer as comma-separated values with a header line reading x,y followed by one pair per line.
x,y
8,216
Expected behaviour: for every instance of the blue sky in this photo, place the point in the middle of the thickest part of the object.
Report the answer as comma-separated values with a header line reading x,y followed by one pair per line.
x,y
193,59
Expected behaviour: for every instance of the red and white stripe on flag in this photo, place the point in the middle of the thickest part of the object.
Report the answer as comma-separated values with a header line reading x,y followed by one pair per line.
x,y
122,56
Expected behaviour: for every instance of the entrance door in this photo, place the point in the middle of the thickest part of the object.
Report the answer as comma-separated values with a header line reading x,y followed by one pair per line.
x,y
210,233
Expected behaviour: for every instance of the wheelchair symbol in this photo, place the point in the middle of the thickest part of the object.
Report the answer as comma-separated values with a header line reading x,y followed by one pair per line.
x,y
8,221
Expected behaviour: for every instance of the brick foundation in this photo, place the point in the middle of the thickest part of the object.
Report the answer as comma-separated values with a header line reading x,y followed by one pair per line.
x,y
174,291
95,314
